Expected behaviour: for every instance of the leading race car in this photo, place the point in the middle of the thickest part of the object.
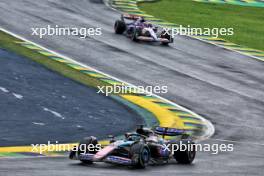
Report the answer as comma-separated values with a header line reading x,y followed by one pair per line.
x,y
137,149
138,29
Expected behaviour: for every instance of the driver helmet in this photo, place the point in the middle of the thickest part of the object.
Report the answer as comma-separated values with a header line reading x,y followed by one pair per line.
x,y
144,131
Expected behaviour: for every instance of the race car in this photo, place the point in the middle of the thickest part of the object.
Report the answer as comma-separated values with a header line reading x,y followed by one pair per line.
x,y
138,149
138,29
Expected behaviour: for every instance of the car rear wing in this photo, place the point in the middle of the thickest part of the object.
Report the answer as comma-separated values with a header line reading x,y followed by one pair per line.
x,y
130,17
165,131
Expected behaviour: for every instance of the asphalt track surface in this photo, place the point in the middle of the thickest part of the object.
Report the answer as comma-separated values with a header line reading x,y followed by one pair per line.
x,y
38,105
225,87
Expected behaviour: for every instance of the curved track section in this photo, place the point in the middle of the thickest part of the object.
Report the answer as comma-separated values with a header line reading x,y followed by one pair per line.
x,y
224,86
33,112
38,106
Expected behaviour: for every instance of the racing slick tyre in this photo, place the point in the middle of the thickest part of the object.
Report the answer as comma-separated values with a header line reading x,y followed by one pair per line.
x,y
83,147
185,156
166,36
120,27
140,153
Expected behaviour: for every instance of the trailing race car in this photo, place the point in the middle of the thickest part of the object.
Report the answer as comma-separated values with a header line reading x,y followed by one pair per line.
x,y
140,30
138,149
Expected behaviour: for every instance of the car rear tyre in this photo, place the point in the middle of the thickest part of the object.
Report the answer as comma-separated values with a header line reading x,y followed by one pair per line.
x,y
185,156
166,36
165,43
120,27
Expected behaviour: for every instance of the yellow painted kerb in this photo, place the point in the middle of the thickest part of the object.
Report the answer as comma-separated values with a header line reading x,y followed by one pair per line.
x,y
164,116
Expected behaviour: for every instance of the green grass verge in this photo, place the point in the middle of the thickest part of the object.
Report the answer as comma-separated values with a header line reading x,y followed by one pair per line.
x,y
248,22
